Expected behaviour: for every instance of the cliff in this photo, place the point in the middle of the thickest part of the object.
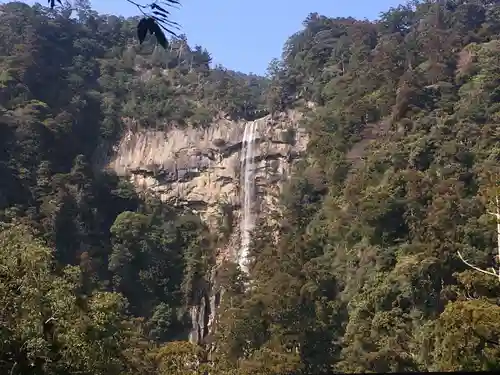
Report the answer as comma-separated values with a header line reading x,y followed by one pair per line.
x,y
199,169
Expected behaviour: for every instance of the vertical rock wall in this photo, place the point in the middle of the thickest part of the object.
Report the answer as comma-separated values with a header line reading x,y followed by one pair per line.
x,y
200,170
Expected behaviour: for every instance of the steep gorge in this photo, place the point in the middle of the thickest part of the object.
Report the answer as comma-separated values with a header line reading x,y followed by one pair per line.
x,y
200,169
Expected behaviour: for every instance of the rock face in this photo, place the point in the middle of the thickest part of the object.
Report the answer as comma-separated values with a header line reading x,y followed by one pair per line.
x,y
199,168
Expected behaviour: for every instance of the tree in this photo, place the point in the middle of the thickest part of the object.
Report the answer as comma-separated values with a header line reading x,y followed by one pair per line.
x,y
43,328
358,272
466,337
180,358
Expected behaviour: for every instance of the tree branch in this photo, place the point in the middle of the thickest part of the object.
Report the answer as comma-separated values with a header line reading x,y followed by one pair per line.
x,y
477,268
140,6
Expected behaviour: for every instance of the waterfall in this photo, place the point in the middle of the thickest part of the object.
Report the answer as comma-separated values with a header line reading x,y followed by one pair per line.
x,y
247,162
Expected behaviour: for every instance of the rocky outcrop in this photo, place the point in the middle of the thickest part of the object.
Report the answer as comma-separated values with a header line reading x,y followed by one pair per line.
x,y
199,168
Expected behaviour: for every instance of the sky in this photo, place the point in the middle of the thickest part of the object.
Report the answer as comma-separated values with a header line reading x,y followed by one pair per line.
x,y
245,35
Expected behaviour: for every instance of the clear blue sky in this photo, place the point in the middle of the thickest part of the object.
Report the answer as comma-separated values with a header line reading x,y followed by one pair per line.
x,y
245,35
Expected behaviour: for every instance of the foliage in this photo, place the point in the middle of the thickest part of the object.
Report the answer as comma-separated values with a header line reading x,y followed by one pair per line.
x,y
95,278
358,272
154,22
400,168
56,330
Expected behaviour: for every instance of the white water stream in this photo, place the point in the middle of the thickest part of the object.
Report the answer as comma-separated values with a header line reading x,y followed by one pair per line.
x,y
247,162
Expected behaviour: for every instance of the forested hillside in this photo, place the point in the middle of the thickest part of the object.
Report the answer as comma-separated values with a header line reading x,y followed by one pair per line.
x,y
403,164
93,277
401,170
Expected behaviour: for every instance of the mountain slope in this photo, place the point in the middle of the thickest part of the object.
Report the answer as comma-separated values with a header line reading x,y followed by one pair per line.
x,y
358,268
402,166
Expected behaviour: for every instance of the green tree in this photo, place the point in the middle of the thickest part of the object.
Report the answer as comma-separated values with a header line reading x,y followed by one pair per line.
x,y
44,327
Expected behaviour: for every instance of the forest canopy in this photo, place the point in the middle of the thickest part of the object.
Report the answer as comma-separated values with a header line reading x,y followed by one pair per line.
x,y
400,175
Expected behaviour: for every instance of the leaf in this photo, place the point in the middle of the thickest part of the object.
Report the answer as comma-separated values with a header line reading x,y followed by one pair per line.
x,y
52,3
151,25
159,34
161,17
160,14
142,29
161,38
176,2
159,9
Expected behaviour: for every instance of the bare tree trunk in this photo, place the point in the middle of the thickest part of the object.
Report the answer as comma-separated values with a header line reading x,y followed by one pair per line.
x,y
497,215
493,272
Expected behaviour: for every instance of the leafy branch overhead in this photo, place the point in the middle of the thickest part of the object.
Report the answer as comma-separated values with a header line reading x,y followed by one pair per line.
x,y
155,21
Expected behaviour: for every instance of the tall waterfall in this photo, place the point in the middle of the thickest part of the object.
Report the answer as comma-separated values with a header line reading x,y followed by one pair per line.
x,y
247,161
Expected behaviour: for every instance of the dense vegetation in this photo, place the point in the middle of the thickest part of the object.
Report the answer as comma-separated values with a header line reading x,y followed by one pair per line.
x,y
93,277
365,276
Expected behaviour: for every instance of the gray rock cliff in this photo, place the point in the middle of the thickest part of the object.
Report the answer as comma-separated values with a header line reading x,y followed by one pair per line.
x,y
199,168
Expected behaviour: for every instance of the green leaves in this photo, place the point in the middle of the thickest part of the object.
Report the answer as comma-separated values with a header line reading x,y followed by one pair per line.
x,y
32,296
150,25
466,337
156,22
52,3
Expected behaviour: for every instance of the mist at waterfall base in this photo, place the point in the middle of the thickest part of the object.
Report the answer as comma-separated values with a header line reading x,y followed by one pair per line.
x,y
247,162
